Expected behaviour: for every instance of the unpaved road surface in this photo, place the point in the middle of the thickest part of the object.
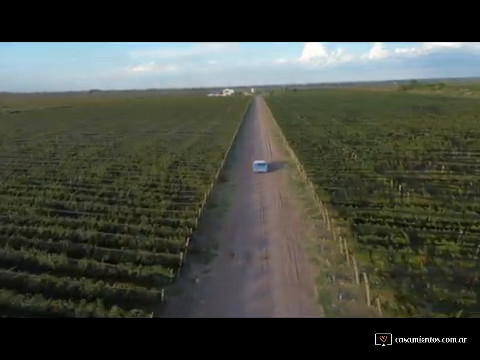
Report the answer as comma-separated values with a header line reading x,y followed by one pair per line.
x,y
261,268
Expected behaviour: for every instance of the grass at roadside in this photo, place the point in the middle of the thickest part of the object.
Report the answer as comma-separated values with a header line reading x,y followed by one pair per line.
x,y
335,286
204,246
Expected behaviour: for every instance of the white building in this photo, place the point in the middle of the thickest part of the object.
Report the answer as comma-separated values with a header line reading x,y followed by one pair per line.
x,y
228,92
252,91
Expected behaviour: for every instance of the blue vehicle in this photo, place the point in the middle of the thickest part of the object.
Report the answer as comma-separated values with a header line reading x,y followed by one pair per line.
x,y
260,166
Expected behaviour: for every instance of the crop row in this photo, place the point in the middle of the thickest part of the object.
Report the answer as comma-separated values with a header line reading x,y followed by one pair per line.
x,y
98,199
401,170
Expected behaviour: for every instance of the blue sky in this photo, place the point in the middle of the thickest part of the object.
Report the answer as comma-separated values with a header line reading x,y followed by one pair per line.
x,y
27,67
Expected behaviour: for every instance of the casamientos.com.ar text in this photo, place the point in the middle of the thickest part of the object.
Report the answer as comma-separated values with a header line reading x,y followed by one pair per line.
x,y
429,340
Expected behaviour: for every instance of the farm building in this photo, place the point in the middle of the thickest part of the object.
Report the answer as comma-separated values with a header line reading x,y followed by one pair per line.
x,y
225,92
228,92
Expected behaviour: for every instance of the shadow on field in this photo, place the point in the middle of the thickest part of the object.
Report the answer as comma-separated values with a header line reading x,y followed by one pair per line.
x,y
276,166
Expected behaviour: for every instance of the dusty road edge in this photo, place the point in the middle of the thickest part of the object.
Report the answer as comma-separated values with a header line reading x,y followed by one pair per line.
x,y
221,171
336,290
202,249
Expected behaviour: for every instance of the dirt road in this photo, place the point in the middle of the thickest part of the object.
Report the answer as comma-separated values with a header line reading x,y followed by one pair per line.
x,y
261,268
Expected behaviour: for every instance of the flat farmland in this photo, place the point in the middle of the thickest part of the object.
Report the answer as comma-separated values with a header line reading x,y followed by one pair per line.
x,y
400,173
99,194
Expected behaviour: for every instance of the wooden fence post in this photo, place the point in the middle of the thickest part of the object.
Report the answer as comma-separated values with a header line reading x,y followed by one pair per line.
x,y
379,307
367,288
357,278
328,220
346,251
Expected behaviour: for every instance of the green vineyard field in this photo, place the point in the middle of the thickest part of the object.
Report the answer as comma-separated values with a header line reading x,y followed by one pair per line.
x,y
99,194
402,173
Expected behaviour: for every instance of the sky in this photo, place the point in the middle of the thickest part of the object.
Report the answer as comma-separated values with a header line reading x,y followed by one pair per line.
x,y
37,67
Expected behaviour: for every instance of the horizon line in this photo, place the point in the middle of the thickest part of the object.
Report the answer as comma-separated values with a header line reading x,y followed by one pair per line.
x,y
236,86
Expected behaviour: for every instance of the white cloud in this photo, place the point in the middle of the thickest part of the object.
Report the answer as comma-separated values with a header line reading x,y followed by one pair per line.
x,y
318,54
432,47
212,62
195,49
313,51
406,51
144,67
153,67
281,61
377,52
341,56
438,46
441,45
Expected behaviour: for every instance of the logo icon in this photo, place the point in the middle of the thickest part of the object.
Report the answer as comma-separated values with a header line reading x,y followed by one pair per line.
x,y
382,339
